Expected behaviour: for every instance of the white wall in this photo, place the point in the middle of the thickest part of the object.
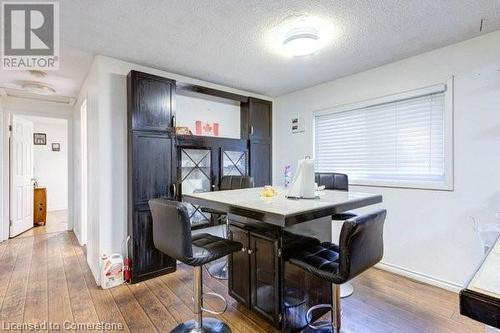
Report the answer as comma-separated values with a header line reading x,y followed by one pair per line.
x,y
31,107
89,92
51,167
106,91
428,234
4,216
189,109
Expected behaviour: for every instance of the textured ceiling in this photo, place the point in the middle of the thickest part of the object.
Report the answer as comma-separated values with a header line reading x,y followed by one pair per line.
x,y
67,81
225,41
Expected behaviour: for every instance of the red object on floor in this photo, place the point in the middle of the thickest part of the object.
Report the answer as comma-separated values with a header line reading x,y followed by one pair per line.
x,y
127,270
127,263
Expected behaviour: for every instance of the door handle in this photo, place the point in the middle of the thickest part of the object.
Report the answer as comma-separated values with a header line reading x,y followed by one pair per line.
x,y
174,122
251,130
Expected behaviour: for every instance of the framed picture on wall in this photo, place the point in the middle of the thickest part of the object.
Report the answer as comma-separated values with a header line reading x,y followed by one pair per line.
x,y
39,139
56,147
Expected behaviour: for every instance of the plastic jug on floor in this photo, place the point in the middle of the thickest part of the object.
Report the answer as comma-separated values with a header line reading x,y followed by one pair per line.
x,y
111,270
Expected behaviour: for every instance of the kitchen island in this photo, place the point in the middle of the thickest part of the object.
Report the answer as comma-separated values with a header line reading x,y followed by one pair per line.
x,y
480,300
270,229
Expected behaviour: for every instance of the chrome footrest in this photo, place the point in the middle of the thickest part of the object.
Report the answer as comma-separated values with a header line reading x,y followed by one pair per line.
x,y
224,308
323,324
309,316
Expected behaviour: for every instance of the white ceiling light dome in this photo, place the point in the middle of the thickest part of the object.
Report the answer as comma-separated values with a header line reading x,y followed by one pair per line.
x,y
302,41
301,35
38,88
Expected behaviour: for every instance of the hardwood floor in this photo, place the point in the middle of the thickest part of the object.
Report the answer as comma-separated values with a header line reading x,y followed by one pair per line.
x,y
45,278
57,221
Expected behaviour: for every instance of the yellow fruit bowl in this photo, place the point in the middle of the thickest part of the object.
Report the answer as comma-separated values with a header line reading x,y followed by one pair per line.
x,y
269,192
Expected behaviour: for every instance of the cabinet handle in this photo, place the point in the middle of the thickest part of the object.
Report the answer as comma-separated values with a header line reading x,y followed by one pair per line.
x,y
250,251
174,191
251,130
244,249
174,122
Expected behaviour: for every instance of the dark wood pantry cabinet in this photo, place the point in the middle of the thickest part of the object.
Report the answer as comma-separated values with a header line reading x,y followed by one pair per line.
x,y
257,123
159,159
150,167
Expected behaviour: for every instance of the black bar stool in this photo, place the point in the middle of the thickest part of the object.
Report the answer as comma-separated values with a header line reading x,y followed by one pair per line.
x,y
361,246
172,236
219,270
338,182
334,181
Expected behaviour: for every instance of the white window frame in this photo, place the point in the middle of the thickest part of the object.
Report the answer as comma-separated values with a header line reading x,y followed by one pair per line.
x,y
448,183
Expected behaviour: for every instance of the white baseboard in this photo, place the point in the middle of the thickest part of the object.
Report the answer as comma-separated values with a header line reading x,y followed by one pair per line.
x,y
56,209
424,278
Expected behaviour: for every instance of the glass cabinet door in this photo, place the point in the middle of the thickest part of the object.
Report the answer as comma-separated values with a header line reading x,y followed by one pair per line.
x,y
195,165
234,163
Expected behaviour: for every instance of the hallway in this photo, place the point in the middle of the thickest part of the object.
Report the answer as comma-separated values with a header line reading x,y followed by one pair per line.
x,y
57,221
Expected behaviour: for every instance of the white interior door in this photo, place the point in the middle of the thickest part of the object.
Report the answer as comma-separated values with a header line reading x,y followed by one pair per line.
x,y
21,175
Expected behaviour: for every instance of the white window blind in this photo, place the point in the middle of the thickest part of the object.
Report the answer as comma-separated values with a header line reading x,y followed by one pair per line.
x,y
396,142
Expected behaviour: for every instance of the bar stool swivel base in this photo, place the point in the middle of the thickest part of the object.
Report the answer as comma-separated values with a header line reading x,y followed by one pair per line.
x,y
346,290
210,325
327,328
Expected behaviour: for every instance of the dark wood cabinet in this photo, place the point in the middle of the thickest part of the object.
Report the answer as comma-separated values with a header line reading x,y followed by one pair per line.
x,y
203,160
260,162
150,163
151,101
254,273
261,119
147,261
264,282
260,124
239,284
155,169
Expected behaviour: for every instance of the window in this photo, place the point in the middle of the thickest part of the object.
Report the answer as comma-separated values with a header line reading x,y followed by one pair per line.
x,y
399,141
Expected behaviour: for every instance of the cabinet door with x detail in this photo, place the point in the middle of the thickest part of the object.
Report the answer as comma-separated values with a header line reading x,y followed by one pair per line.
x,y
195,174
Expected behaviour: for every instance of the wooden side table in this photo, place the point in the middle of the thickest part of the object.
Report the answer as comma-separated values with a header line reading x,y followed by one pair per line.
x,y
40,206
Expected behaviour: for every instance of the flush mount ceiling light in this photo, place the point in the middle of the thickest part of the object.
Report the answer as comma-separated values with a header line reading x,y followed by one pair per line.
x,y
38,88
302,41
301,35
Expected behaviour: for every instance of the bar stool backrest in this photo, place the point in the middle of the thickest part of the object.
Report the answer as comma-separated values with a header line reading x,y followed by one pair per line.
x,y
361,244
332,180
171,228
235,182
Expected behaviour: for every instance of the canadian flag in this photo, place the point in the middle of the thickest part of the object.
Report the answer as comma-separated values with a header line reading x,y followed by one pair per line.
x,y
206,128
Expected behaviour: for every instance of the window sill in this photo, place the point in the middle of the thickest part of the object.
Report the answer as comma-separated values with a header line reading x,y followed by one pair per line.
x,y
429,186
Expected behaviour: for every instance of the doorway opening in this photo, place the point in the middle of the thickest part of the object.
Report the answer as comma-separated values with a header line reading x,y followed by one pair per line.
x,y
39,175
